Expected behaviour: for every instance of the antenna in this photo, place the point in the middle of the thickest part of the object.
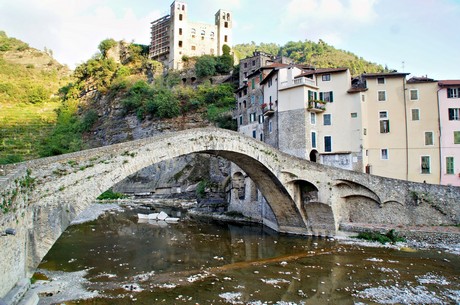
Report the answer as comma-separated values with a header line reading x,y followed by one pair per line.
x,y
403,62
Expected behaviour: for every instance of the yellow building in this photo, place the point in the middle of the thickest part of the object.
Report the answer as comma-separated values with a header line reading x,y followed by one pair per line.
x,y
401,132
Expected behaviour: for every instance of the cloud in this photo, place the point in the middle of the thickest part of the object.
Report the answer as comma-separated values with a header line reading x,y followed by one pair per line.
x,y
330,20
73,29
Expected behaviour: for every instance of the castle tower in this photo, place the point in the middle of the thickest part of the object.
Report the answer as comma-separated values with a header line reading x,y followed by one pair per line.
x,y
224,23
178,30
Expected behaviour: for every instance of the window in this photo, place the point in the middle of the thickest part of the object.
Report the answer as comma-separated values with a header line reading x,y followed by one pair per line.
x,y
312,118
415,114
454,114
180,16
382,96
456,137
327,143
326,96
384,154
244,104
254,134
425,164
365,131
384,122
450,165
253,63
363,98
241,120
262,137
212,34
380,80
180,43
253,83
384,126
453,92
193,48
252,117
270,127
313,139
326,119
413,94
180,31
270,83
203,33
326,77
193,31
225,38
261,119
245,64
429,138
312,95
253,99
226,24
354,115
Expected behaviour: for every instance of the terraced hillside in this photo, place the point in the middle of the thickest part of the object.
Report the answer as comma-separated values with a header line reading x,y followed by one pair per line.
x,y
29,83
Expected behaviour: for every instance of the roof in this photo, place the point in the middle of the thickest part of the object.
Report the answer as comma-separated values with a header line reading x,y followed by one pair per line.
x,y
322,71
270,75
450,82
385,74
420,79
274,65
241,88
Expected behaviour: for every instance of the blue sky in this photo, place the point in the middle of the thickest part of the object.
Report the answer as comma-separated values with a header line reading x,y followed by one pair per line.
x,y
424,34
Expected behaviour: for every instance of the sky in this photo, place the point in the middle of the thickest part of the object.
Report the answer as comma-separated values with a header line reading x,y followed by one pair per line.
x,y
421,37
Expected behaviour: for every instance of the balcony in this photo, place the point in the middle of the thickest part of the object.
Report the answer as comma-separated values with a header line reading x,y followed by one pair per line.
x,y
267,110
300,81
316,106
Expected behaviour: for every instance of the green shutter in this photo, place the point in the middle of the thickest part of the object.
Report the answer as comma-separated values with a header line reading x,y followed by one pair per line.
x,y
331,96
320,96
450,165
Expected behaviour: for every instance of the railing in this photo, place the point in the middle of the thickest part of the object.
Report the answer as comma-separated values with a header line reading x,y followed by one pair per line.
x,y
298,82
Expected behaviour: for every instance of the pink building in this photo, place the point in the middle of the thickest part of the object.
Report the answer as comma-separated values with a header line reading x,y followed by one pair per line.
x,y
449,117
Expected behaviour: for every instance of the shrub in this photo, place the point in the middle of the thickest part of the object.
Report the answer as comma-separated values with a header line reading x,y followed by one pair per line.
x,y
110,195
205,66
389,237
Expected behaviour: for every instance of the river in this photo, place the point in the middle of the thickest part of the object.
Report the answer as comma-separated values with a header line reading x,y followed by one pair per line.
x,y
118,260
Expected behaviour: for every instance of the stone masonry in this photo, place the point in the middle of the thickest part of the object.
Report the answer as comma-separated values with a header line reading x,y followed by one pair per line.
x,y
41,197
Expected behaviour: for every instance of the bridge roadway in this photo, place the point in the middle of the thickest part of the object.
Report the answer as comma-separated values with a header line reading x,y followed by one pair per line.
x,y
41,197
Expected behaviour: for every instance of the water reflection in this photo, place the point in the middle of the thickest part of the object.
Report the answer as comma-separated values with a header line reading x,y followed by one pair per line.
x,y
194,262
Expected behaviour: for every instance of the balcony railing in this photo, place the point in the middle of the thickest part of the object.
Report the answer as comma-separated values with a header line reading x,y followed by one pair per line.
x,y
316,106
297,82
267,110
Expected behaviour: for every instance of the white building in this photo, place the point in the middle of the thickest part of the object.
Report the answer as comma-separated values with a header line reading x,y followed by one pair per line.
x,y
174,36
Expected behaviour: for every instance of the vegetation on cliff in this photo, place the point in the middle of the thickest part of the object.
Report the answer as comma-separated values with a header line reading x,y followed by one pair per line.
x,y
318,54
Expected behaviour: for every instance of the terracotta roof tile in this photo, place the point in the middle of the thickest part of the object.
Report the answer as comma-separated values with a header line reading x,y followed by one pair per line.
x,y
449,82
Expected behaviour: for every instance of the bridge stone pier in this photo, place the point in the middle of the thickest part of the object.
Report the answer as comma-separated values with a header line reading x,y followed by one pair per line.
x,y
40,198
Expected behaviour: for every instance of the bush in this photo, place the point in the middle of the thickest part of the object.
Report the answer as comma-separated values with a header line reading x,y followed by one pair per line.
x,y
110,195
89,118
106,45
389,237
205,66
9,159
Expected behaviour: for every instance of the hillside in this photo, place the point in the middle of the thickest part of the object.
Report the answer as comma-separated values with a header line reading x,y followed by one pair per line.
x,y
320,55
29,81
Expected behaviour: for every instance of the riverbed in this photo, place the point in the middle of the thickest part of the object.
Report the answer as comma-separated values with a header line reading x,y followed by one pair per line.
x,y
118,259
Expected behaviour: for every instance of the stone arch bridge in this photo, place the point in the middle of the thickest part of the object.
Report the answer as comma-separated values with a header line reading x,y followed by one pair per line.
x,y
40,198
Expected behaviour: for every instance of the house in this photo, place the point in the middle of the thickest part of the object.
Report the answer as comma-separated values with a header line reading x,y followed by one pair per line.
x,y
449,117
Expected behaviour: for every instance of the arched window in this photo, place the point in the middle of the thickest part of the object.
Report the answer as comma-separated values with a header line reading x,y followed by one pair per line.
x,y
228,16
183,7
211,34
180,16
203,32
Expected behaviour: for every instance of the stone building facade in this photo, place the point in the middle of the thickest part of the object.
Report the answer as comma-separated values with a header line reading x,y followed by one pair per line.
x,y
175,36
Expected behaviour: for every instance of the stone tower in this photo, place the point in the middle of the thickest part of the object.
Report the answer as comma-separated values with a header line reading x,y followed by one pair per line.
x,y
224,22
179,22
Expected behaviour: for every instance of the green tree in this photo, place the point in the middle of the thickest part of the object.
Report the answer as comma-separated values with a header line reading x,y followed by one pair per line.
x,y
106,45
205,66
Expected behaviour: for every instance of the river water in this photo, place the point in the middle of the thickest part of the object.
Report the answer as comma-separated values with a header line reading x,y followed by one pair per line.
x,y
119,260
